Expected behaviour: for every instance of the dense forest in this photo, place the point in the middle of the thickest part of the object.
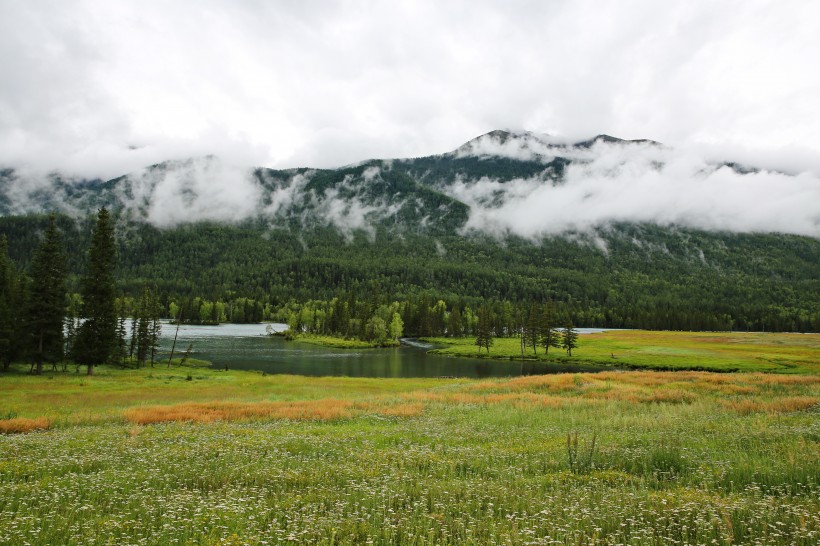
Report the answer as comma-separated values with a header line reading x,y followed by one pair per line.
x,y
396,232
647,276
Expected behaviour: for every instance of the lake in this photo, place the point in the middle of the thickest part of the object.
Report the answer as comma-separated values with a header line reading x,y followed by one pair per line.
x,y
248,347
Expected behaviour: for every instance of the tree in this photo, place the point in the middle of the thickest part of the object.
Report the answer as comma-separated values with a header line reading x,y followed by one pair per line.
x,y
396,327
45,311
97,337
154,324
12,298
570,336
550,335
531,328
454,327
147,326
484,336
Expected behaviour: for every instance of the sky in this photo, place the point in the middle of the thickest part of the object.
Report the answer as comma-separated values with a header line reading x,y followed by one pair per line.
x,y
100,88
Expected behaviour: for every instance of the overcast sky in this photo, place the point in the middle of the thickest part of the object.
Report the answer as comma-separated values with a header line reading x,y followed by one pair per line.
x,y
98,88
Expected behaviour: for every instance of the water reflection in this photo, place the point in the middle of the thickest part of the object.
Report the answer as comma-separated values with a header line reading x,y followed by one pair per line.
x,y
247,347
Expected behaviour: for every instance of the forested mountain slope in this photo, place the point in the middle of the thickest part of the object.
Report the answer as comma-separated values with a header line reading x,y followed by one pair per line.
x,y
507,216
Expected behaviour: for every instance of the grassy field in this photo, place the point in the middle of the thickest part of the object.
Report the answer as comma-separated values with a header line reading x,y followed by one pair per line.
x,y
641,349
199,456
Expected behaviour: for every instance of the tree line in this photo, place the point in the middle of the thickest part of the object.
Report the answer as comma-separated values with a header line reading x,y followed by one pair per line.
x,y
649,277
41,323
375,318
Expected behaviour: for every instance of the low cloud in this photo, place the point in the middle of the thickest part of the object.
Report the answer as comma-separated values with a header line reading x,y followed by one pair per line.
x,y
192,190
609,183
605,183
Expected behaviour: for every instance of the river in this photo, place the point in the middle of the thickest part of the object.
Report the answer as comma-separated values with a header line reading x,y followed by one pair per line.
x,y
248,347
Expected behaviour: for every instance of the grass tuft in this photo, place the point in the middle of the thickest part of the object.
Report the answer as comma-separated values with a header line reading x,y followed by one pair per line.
x,y
19,425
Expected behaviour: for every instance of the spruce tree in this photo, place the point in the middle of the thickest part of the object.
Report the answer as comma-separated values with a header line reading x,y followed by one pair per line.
x,y
97,338
45,311
154,324
484,337
532,327
550,335
12,299
570,340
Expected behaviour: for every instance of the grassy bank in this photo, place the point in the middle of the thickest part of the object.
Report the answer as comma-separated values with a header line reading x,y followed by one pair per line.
x,y
337,342
641,349
154,457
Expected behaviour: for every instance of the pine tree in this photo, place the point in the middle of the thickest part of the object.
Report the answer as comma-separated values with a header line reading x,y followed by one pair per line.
x,y
550,335
154,324
532,326
45,311
97,338
570,340
484,337
12,298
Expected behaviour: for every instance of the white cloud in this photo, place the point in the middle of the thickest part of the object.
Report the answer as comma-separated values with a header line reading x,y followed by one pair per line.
x,y
192,190
612,183
300,84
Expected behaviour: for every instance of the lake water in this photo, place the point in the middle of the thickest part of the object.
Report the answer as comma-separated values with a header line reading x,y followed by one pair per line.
x,y
248,347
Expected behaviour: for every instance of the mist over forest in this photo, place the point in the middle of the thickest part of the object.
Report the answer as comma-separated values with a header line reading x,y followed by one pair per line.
x,y
619,233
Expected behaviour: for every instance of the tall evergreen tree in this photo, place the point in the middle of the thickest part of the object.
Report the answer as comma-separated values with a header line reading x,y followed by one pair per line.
x,y
532,326
550,335
97,338
45,311
570,338
12,298
154,324
484,336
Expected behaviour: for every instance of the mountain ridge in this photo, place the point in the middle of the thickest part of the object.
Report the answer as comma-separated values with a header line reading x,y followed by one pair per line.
x,y
502,182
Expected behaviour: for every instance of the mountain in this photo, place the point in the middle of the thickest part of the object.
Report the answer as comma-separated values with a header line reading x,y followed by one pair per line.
x,y
623,233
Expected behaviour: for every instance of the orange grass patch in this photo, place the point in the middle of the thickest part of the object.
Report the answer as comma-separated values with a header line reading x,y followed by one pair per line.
x,y
785,380
302,410
518,399
22,425
558,382
781,405
670,396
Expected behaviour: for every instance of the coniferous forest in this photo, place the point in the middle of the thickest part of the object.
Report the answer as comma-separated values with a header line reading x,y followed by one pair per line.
x,y
248,272
397,248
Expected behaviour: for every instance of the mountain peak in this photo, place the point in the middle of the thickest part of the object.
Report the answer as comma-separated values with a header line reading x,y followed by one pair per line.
x,y
612,140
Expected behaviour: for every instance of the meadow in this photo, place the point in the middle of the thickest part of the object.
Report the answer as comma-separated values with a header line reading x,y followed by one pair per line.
x,y
201,456
643,349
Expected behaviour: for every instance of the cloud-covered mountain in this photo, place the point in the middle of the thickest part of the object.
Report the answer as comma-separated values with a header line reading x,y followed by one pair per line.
x,y
500,183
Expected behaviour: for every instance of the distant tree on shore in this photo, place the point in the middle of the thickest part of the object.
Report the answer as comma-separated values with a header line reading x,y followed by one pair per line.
x,y
570,338
484,335
550,336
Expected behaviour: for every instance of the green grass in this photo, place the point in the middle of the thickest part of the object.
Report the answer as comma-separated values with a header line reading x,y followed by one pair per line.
x,y
640,349
685,457
337,342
